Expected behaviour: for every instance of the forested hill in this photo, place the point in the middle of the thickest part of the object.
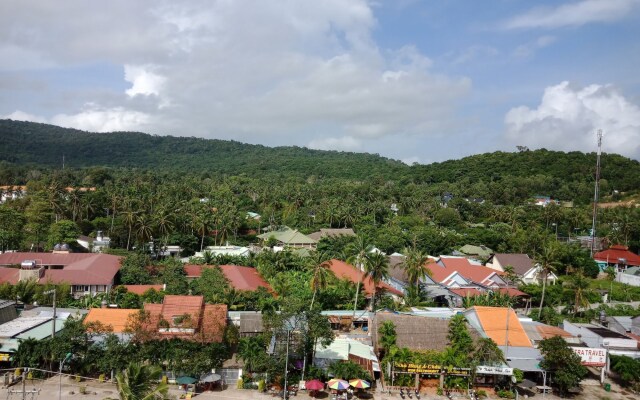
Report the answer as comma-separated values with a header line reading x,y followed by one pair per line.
x,y
28,143
44,145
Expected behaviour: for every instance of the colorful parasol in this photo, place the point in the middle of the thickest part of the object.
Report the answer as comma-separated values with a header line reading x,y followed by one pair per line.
x,y
314,385
359,383
338,384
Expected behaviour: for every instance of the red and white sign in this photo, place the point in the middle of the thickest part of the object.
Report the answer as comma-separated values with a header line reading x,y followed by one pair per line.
x,y
591,356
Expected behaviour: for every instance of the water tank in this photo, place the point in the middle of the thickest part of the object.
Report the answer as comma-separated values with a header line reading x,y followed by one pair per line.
x,y
28,264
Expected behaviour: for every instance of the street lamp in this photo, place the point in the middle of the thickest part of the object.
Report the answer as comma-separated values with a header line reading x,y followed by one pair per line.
x,y
53,327
66,358
556,227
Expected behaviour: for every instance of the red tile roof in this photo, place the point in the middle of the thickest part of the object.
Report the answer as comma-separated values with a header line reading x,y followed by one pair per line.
x,y
140,289
343,270
78,268
614,253
207,320
240,277
475,273
467,292
9,275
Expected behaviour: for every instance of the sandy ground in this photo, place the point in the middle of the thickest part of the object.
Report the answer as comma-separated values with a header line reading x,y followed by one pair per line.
x,y
48,389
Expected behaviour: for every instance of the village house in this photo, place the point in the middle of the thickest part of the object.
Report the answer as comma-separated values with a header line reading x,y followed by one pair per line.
x,y
87,273
523,266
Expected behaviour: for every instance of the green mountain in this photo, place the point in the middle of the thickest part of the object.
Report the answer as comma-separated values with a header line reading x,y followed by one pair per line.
x,y
45,145
548,172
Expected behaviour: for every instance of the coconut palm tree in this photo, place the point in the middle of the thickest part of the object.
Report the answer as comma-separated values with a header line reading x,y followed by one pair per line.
x,y
320,273
138,382
358,252
415,266
547,260
376,268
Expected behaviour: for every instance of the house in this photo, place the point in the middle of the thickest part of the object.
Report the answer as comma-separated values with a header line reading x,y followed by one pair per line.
x,y
7,311
596,336
94,245
37,323
287,237
617,256
414,332
331,233
141,289
13,192
249,323
346,349
537,331
186,317
228,250
500,324
239,277
630,276
342,270
544,201
87,273
522,265
114,318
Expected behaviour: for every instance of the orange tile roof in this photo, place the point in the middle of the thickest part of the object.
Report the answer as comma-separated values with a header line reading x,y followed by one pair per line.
x,y
209,320
342,270
114,317
493,321
548,331
140,289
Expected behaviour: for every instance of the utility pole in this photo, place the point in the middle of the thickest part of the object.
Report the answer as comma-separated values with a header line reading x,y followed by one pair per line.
x,y
53,326
596,193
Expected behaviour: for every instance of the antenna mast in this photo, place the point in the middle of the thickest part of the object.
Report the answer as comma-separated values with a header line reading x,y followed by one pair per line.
x,y
596,193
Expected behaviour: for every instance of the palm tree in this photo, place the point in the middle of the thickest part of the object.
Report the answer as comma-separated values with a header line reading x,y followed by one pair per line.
x,y
320,267
376,269
136,382
358,250
415,266
547,258
580,286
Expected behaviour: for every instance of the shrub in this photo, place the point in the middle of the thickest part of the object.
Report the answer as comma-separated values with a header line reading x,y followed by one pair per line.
x,y
505,394
481,393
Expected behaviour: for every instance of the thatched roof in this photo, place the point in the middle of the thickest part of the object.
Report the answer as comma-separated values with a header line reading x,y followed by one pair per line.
x,y
416,332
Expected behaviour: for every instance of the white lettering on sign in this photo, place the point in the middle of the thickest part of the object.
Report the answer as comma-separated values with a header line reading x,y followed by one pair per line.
x,y
591,356
484,369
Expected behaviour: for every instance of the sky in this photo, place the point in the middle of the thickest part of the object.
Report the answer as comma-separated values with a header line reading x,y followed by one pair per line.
x,y
413,80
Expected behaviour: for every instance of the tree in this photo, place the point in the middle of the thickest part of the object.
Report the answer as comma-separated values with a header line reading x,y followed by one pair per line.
x,y
460,341
563,362
252,351
415,266
357,255
212,284
134,271
547,258
376,268
320,273
63,231
580,286
388,336
174,276
137,382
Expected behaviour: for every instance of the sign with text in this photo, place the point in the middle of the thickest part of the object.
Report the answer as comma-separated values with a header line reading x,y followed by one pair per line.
x,y
417,368
591,356
485,369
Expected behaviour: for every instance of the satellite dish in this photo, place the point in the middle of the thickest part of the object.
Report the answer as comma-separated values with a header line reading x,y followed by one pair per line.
x,y
513,379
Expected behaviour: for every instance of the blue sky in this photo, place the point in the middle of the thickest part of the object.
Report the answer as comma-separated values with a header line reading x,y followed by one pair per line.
x,y
419,81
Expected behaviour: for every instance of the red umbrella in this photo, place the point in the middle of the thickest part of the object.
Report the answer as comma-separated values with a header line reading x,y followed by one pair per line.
x,y
314,385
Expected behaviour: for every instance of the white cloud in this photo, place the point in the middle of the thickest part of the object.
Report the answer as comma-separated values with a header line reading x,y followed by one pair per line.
x,y
103,120
23,116
346,143
144,81
263,72
573,14
527,50
568,117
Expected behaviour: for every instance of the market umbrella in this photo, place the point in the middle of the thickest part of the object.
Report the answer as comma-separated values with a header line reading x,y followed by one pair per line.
x,y
314,385
210,378
186,380
338,384
526,383
359,383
